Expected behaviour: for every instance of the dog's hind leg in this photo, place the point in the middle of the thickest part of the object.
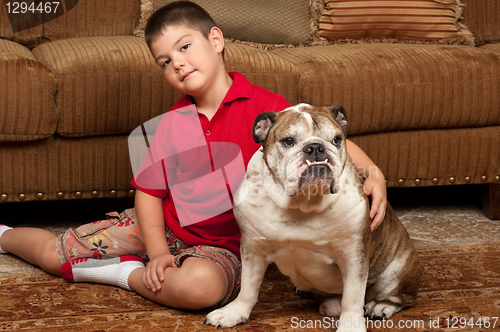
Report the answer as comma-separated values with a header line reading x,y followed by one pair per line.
x,y
381,310
331,306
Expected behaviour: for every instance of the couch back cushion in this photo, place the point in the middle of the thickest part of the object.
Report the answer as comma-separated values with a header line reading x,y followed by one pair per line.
x,y
67,19
20,28
260,21
396,87
483,19
27,89
110,85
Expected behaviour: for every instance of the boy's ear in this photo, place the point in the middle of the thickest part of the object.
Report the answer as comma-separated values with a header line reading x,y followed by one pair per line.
x,y
218,39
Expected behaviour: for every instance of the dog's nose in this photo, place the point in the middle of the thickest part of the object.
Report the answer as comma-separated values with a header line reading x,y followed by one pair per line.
x,y
314,150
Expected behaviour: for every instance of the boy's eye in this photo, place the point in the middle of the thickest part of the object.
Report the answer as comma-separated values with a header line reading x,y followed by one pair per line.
x,y
185,47
164,63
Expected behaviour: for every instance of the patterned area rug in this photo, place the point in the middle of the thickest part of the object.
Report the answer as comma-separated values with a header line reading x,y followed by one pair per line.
x,y
461,292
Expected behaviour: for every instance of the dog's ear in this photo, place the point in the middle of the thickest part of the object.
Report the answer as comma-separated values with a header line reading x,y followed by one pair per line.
x,y
262,124
339,115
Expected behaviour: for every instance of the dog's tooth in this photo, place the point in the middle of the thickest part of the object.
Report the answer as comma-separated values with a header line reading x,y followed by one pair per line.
x,y
326,161
308,162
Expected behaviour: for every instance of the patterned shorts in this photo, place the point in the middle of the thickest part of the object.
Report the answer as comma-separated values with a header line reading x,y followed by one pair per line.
x,y
120,235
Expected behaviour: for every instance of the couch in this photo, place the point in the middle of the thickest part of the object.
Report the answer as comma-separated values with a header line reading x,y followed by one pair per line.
x,y
77,81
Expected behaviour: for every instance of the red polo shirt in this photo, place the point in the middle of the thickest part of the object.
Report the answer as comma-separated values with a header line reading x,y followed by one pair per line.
x,y
196,165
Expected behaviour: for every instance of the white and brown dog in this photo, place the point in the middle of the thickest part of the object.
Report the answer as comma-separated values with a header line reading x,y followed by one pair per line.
x,y
302,206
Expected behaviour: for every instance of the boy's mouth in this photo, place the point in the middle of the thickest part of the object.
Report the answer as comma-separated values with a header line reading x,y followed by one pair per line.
x,y
187,75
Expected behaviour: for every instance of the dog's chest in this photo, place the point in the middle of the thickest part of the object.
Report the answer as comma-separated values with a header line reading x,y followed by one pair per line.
x,y
305,246
311,266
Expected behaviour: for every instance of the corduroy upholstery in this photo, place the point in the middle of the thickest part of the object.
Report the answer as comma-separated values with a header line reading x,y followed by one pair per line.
x,y
264,69
96,96
88,167
72,89
91,18
435,157
106,85
393,87
29,37
27,88
482,17
491,47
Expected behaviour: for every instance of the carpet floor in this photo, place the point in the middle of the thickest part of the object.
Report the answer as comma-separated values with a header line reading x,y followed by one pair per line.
x,y
459,247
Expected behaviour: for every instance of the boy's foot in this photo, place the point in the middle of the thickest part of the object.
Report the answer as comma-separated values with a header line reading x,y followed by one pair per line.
x,y
114,271
3,228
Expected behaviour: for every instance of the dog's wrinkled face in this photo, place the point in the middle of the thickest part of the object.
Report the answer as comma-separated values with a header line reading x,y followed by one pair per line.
x,y
304,147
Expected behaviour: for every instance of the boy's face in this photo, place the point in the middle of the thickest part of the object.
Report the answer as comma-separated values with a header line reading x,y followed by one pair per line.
x,y
188,59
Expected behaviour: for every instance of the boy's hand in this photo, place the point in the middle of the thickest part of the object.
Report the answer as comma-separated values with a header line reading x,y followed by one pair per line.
x,y
154,275
374,186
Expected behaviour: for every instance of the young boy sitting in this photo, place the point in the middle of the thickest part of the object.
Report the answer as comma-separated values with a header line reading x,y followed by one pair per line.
x,y
192,264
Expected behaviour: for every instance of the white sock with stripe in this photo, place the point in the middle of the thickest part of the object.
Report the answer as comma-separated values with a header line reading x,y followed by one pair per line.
x,y
114,271
3,228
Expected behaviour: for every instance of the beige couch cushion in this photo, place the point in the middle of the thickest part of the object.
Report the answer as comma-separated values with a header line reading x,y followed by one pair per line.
x,y
72,18
491,47
111,85
260,21
87,18
388,87
106,85
11,30
483,19
264,69
27,88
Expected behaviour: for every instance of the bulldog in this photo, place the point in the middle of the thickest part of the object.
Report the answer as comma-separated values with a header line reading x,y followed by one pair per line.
x,y
302,206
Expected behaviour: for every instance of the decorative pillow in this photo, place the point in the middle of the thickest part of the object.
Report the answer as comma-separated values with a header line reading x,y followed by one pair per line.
x,y
414,20
258,21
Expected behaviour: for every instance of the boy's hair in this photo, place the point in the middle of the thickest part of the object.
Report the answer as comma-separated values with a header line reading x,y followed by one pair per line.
x,y
185,13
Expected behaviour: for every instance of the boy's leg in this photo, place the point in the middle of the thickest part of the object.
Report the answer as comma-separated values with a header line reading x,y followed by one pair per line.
x,y
198,283
34,245
101,239
113,271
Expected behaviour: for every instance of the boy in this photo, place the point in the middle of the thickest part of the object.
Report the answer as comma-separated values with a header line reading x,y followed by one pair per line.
x,y
197,259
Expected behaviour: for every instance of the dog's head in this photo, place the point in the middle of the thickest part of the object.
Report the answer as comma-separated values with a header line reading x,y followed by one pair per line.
x,y
304,147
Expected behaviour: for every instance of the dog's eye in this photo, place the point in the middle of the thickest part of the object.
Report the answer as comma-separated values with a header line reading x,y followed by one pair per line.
x,y
337,140
288,142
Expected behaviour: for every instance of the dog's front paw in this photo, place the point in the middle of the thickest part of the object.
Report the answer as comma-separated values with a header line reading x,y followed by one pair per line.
x,y
228,316
351,323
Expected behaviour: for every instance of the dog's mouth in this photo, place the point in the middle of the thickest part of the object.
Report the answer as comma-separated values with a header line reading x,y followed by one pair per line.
x,y
309,163
317,177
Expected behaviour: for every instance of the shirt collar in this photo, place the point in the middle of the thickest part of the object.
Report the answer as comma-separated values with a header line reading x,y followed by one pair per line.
x,y
241,88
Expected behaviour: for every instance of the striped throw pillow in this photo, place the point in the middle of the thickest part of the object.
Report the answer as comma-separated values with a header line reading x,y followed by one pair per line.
x,y
421,20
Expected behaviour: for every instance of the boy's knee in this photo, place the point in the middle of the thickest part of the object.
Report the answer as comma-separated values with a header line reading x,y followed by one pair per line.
x,y
202,287
49,261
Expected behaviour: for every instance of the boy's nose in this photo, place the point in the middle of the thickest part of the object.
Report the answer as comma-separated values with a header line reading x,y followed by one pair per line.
x,y
177,63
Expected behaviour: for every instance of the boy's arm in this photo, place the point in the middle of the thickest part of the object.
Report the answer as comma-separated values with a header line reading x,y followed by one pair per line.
x,y
374,183
149,212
